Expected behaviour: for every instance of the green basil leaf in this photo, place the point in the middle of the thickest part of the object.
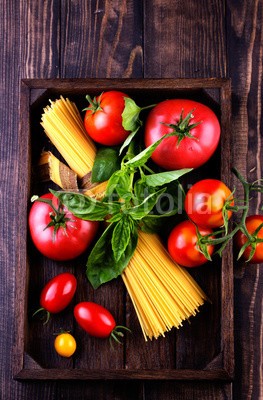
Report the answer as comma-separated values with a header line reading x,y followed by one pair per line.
x,y
143,209
163,178
105,164
152,223
118,184
140,159
85,207
115,217
130,115
141,190
129,139
121,237
101,265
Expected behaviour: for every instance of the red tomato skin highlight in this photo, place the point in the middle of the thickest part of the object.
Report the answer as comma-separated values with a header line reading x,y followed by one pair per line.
x,y
66,244
191,153
182,245
252,223
105,126
96,320
58,292
204,202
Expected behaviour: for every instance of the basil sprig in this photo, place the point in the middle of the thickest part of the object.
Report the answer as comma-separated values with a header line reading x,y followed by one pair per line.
x,y
134,199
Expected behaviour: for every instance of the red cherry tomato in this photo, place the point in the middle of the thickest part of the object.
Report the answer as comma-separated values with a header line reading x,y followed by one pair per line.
x,y
182,151
103,118
182,245
252,223
65,239
205,200
94,319
57,294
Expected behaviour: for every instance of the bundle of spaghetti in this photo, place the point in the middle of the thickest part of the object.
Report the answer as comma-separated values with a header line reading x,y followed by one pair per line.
x,y
64,127
163,293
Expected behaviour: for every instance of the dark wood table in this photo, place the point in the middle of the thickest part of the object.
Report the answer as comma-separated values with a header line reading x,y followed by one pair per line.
x,y
135,39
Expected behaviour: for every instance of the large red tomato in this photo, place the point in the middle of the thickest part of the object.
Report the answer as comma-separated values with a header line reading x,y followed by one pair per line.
x,y
183,247
197,133
205,201
56,232
103,118
253,223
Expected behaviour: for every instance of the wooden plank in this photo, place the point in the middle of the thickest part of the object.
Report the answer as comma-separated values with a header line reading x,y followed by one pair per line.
x,y
38,56
40,38
116,374
110,35
245,42
184,40
9,119
182,391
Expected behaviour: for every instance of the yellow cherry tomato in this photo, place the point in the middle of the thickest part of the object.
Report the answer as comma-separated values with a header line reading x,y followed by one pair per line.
x,y
65,344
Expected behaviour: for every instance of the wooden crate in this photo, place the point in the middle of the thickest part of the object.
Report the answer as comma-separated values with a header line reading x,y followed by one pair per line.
x,y
202,348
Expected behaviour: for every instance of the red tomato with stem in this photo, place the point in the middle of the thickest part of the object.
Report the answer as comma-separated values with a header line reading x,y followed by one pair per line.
x,y
103,118
183,244
57,294
254,225
97,321
207,201
56,232
196,129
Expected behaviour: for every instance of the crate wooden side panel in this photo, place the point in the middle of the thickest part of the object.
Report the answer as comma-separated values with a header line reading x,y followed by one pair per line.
x,y
201,350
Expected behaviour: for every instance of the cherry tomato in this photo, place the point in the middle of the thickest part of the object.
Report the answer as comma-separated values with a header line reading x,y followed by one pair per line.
x,y
57,294
94,319
197,133
65,344
205,200
97,321
182,245
253,222
57,233
103,118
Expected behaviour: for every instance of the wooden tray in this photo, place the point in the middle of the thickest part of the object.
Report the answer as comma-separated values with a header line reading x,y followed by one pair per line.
x,y
201,349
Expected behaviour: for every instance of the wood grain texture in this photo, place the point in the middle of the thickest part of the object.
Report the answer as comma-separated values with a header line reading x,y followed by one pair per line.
x,y
182,391
111,39
40,38
9,75
179,39
32,46
245,41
